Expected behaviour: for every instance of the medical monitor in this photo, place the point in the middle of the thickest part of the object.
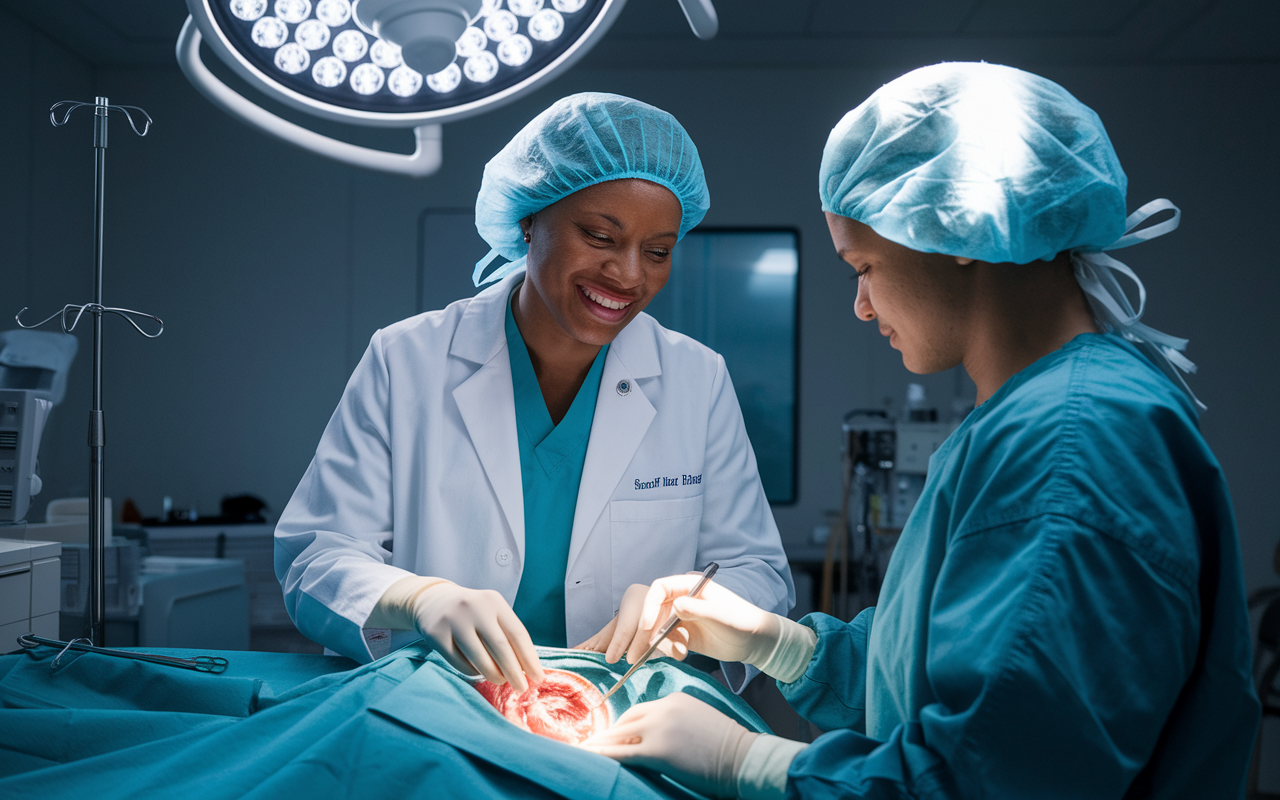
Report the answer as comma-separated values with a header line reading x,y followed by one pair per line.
x,y
736,291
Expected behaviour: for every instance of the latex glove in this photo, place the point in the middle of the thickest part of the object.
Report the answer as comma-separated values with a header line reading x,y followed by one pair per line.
x,y
682,737
475,630
622,635
716,623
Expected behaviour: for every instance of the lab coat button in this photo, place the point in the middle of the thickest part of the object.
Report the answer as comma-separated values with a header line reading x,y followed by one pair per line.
x,y
624,388
503,557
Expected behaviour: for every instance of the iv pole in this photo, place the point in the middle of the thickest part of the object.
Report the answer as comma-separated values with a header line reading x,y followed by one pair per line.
x,y
97,430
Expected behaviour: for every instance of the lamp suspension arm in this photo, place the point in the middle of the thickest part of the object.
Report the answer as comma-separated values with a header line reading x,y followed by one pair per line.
x,y
702,18
424,161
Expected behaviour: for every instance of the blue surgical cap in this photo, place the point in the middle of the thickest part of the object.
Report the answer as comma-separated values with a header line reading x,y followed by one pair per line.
x,y
582,140
979,161
996,164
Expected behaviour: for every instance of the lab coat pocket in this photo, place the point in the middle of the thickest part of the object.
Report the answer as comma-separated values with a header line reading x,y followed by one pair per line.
x,y
653,539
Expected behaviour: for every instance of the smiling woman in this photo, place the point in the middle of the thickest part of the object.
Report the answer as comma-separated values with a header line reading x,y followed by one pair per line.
x,y
595,261
479,485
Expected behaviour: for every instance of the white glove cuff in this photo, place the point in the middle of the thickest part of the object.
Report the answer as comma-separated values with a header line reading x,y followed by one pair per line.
x,y
792,652
395,609
763,773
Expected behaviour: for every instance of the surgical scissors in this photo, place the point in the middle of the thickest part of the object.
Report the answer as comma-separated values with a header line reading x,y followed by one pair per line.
x,y
212,664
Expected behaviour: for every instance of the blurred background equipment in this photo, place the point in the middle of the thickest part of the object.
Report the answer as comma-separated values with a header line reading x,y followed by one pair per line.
x,y
33,379
885,462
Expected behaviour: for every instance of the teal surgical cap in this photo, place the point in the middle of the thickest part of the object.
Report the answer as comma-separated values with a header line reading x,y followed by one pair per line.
x,y
582,140
979,161
995,164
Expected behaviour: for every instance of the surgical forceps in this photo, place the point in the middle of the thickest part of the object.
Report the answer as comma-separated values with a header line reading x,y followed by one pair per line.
x,y
212,664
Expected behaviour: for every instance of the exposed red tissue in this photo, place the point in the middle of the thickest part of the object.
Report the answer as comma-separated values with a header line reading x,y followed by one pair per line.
x,y
566,707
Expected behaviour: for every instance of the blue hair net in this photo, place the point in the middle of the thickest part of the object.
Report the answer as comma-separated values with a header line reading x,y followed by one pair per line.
x,y
995,164
582,140
976,160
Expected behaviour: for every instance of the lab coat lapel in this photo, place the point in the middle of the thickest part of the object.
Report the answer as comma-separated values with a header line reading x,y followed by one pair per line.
x,y
486,400
619,426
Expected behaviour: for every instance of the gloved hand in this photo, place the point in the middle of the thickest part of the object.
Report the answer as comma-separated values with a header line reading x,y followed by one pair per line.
x,y
716,623
682,737
620,637
473,629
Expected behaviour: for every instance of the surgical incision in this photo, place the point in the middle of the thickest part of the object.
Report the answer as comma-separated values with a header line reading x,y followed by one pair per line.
x,y
566,707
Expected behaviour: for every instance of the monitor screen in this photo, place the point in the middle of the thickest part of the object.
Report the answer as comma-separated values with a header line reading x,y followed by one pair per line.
x,y
736,292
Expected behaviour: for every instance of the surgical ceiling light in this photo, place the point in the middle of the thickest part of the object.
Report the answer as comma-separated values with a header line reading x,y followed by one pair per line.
x,y
392,63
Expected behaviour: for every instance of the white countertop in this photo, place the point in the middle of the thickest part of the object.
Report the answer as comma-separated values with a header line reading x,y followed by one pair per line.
x,y
13,551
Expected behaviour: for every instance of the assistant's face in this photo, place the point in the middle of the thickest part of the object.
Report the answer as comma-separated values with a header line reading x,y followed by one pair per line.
x,y
598,256
921,301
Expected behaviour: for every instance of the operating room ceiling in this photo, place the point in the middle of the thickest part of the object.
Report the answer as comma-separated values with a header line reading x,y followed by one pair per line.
x,y
771,33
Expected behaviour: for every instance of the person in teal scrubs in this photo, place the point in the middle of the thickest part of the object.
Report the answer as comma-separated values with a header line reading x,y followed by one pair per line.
x,y
1064,613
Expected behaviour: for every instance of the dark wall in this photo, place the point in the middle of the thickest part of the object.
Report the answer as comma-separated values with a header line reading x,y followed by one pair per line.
x,y
272,267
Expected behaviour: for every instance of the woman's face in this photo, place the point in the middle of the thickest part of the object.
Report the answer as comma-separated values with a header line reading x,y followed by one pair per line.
x,y
922,301
598,256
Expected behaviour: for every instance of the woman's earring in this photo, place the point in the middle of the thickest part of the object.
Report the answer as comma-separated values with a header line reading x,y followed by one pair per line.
x,y
527,238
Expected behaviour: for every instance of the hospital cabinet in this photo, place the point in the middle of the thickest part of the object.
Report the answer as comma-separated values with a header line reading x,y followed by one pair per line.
x,y
29,583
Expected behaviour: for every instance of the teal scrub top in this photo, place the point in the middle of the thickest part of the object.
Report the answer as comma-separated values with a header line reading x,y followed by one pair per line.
x,y
551,460
1064,614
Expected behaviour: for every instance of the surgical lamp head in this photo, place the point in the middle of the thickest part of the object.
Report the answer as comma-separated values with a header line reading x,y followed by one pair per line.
x,y
392,63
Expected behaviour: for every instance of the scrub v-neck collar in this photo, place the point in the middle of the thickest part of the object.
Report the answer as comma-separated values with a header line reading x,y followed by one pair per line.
x,y
551,443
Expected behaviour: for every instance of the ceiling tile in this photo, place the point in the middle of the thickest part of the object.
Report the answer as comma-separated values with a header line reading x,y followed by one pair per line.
x,y
1051,17
650,19
762,17
1232,30
140,19
903,18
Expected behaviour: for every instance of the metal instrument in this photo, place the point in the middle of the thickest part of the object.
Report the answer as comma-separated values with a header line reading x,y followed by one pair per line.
x,y
666,630
211,664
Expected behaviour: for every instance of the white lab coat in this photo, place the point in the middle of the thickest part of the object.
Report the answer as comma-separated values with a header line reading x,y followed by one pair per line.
x,y
418,473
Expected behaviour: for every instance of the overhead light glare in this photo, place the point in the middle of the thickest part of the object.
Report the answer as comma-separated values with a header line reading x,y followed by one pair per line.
x,y
546,25
334,13
446,80
568,6
312,34
404,82
471,41
385,54
515,50
294,11
366,79
481,68
524,8
350,45
329,72
501,24
248,10
269,32
293,58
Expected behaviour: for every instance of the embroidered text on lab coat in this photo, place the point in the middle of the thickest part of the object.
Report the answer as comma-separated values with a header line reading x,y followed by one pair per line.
x,y
662,480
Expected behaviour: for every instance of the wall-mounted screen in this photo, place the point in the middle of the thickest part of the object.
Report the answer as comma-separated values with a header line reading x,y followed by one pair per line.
x,y
736,292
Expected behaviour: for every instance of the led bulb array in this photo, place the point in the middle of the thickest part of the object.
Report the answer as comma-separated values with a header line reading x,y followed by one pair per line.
x,y
327,39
